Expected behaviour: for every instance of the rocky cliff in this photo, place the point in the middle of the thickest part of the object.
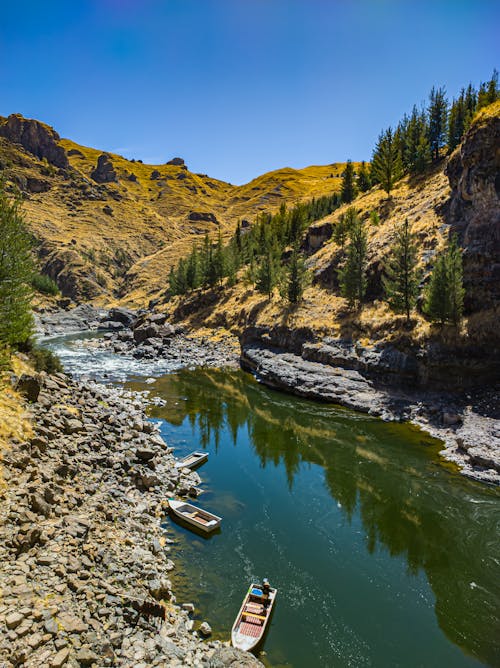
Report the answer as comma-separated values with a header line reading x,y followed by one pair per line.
x,y
474,212
37,138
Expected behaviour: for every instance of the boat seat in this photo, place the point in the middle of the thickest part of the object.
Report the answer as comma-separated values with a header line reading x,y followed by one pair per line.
x,y
256,608
253,618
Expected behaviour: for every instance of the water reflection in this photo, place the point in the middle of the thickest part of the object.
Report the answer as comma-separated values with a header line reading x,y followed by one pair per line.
x,y
388,475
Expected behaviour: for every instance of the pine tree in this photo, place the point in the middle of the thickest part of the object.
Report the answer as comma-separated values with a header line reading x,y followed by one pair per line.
x,y
181,277
218,260
297,277
417,153
206,251
401,280
343,226
456,121
437,111
16,271
386,161
267,273
352,277
193,278
444,296
348,191
364,181
172,281
454,276
493,92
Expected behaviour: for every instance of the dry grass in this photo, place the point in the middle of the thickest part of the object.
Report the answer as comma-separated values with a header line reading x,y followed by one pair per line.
x,y
149,227
14,419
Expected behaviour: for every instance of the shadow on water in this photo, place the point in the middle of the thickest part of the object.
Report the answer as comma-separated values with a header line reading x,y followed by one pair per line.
x,y
387,488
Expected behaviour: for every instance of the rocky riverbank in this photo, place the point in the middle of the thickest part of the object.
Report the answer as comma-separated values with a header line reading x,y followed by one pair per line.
x,y
381,382
82,544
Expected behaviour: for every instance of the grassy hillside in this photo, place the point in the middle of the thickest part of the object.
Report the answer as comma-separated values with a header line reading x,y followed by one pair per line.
x,y
119,237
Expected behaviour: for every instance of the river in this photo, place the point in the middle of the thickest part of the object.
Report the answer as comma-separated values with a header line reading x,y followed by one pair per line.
x,y
382,554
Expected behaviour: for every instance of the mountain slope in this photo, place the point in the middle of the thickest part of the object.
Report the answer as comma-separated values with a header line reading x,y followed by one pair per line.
x,y
97,215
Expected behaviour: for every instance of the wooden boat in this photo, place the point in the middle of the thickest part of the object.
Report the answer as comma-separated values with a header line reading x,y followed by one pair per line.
x,y
199,518
250,625
192,460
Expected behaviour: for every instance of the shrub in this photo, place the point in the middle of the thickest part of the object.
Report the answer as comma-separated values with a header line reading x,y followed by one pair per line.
x,y
45,360
44,284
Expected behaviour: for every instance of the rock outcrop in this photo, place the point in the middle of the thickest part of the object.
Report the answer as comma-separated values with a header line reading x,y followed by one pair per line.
x,y
37,138
474,174
104,171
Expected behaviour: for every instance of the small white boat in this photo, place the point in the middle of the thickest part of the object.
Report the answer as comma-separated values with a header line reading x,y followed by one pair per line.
x,y
192,460
199,518
253,617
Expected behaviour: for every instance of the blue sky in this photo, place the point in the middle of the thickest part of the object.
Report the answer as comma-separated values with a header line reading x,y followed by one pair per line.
x,y
237,87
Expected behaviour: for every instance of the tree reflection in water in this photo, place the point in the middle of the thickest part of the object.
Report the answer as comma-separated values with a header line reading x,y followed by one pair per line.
x,y
388,473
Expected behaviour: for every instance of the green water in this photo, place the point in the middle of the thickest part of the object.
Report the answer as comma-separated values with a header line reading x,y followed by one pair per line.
x,y
382,556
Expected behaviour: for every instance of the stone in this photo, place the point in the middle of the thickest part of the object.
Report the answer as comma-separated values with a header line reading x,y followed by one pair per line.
x,y
230,657
72,426
177,162
188,607
13,619
205,629
60,658
145,454
86,657
29,386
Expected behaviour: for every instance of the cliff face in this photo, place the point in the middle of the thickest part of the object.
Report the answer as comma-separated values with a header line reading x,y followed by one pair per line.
x,y
37,138
474,214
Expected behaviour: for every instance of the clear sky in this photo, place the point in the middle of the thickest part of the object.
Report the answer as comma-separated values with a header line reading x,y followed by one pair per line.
x,y
237,87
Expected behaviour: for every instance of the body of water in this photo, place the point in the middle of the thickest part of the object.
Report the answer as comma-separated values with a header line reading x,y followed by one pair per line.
x,y
382,555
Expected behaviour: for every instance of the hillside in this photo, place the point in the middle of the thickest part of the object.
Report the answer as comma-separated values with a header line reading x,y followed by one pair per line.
x,y
107,226
458,195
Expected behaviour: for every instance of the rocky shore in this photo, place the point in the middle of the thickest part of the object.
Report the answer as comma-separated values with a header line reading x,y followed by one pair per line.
x,y
82,543
382,382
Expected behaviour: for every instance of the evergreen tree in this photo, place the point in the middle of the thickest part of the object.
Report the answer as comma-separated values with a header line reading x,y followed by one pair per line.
x,y
296,225
16,271
267,273
172,281
237,238
181,277
386,162
493,93
454,276
193,278
456,121
344,225
348,191
352,277
437,111
417,153
205,259
218,260
401,280
444,296
297,276
364,181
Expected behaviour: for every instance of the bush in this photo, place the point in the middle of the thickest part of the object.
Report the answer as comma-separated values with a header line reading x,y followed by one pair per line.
x,y
45,360
4,363
44,284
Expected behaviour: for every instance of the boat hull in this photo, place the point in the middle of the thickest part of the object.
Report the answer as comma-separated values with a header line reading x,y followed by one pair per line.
x,y
250,628
197,517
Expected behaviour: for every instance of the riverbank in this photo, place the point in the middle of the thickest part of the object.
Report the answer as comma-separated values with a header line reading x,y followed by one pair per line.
x,y
82,543
382,381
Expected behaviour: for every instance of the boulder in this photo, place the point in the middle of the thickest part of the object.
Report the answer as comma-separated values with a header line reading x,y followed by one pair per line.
x,y
124,315
177,162
145,332
29,386
203,217
230,657
104,171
